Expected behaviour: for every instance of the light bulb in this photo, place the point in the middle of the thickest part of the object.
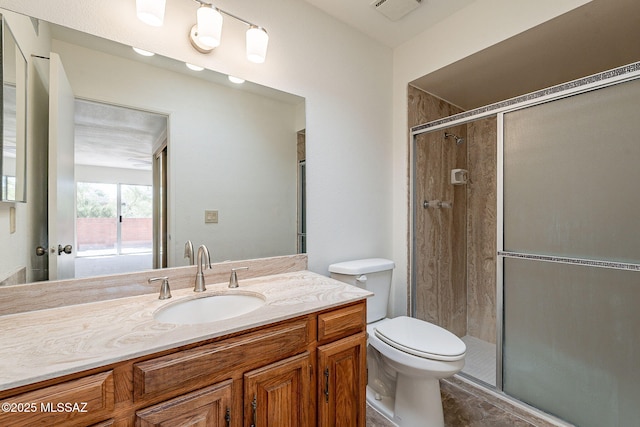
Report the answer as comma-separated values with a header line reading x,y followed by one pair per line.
x,y
236,80
142,51
151,12
209,22
257,41
194,67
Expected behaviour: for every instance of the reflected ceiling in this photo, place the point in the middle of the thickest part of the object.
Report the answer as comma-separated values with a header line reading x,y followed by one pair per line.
x,y
118,137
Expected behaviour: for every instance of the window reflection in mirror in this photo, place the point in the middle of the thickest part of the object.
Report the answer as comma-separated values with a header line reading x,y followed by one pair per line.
x,y
14,70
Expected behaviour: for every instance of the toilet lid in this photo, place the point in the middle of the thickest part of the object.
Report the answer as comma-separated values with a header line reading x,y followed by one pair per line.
x,y
421,339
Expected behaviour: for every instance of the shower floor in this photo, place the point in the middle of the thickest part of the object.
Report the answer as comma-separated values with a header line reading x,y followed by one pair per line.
x,y
480,360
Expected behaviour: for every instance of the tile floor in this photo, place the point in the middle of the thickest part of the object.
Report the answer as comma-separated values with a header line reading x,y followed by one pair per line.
x,y
480,359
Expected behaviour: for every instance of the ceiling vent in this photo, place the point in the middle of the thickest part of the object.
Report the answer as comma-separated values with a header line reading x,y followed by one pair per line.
x,y
395,9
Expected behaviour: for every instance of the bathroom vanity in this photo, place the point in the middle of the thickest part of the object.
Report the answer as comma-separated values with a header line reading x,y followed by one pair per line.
x,y
298,360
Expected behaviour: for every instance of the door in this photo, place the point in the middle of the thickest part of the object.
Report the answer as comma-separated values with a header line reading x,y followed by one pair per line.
x,y
207,407
61,198
279,395
342,382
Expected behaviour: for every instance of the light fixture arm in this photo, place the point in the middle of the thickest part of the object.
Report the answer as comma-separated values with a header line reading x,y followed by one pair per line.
x,y
229,14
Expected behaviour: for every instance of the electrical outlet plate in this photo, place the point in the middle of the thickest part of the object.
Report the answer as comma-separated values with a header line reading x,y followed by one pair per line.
x,y
210,217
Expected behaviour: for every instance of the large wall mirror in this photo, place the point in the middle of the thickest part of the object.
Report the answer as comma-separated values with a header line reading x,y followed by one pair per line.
x,y
160,155
13,124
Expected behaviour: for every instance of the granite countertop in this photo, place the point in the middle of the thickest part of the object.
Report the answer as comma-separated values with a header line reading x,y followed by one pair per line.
x,y
45,344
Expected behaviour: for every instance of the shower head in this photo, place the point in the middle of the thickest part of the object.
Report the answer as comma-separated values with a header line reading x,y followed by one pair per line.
x,y
457,138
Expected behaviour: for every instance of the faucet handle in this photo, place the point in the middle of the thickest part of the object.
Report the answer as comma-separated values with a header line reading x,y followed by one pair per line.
x,y
165,290
188,252
233,280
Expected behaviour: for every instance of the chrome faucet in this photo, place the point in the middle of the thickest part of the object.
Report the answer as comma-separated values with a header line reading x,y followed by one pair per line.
x,y
204,262
233,279
188,252
165,290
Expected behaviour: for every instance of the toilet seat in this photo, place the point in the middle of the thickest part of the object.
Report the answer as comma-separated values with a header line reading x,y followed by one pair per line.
x,y
420,338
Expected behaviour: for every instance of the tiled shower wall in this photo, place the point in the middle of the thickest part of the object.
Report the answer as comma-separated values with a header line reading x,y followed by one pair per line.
x,y
481,229
455,247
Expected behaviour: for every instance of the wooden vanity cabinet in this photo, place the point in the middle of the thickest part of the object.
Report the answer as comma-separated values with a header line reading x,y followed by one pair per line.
x,y
305,372
342,367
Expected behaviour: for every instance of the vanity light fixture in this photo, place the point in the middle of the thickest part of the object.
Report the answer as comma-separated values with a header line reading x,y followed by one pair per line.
x,y
206,34
194,67
236,80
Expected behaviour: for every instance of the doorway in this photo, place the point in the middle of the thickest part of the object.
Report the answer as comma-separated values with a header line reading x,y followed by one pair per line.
x,y
115,187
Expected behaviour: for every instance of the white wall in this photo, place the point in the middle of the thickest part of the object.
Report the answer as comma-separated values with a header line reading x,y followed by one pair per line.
x,y
344,77
470,30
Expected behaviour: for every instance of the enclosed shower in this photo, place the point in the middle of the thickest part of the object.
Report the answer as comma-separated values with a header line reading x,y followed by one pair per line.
x,y
526,242
454,240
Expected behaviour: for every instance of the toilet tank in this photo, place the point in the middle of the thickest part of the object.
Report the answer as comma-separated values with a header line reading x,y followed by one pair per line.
x,y
372,274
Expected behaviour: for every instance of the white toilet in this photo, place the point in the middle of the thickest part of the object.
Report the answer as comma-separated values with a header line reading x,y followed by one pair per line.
x,y
406,357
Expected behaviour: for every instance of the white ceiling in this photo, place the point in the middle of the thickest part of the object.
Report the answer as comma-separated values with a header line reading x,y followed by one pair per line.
x,y
360,14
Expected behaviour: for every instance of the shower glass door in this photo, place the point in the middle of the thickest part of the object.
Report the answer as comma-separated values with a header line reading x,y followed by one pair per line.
x,y
571,256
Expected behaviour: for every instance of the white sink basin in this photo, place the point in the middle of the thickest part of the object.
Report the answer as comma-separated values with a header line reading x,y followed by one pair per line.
x,y
208,309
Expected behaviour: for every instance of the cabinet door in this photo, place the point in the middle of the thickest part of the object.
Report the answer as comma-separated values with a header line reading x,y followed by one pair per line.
x,y
207,407
342,382
279,395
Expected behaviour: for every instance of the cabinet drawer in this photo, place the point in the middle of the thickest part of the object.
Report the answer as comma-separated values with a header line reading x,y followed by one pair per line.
x,y
188,370
342,322
80,402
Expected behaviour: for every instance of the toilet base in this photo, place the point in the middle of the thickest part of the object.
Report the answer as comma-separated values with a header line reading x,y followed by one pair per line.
x,y
382,404
417,403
